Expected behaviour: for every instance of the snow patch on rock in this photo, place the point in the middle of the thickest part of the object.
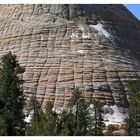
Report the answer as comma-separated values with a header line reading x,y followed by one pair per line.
x,y
29,117
84,35
100,28
81,51
115,118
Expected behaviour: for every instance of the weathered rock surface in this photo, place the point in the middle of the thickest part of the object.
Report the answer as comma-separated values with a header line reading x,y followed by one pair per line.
x,y
93,47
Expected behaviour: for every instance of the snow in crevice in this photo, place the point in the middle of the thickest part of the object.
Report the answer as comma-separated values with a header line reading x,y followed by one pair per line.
x,y
81,51
115,118
100,28
81,28
74,35
85,35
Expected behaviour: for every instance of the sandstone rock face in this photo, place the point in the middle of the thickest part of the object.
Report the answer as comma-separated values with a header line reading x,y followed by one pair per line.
x,y
93,47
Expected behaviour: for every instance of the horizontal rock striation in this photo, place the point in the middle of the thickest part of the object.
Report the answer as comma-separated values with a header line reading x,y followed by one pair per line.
x,y
93,47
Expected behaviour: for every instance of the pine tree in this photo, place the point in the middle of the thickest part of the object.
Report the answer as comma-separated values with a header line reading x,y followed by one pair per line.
x,y
132,122
34,106
66,123
34,128
43,123
80,110
96,119
51,120
87,120
11,97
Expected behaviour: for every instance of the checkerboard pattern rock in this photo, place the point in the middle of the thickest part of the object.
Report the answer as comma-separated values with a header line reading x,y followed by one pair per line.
x,y
93,47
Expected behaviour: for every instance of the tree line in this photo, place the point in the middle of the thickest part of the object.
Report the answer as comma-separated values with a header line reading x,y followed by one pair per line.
x,y
81,118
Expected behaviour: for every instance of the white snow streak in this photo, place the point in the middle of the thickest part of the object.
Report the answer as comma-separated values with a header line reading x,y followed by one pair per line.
x,y
100,28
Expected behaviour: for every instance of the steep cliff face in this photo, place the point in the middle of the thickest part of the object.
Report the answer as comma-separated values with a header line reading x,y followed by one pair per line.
x,y
93,47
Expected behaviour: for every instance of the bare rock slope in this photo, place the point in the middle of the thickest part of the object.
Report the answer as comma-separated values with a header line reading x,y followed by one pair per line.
x,y
93,47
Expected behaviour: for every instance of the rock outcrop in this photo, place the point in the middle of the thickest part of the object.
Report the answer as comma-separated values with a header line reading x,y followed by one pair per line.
x,y
93,47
